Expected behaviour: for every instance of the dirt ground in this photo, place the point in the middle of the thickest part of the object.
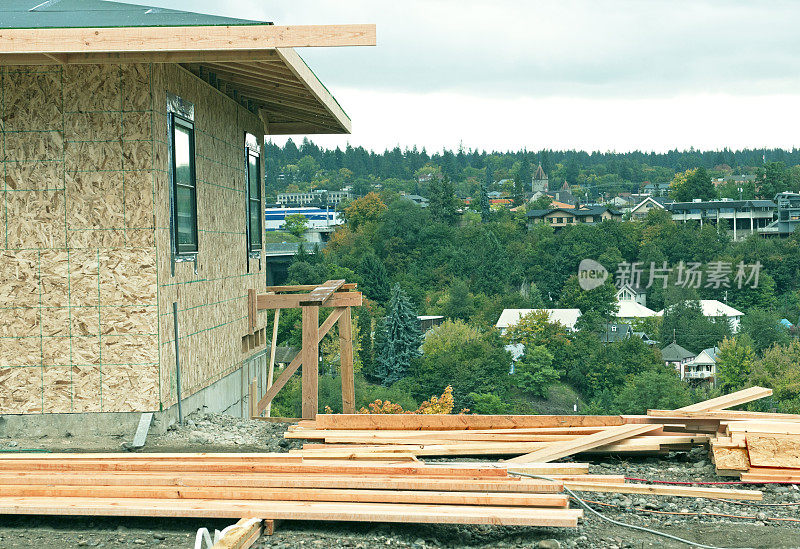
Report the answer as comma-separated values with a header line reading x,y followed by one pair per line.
x,y
772,523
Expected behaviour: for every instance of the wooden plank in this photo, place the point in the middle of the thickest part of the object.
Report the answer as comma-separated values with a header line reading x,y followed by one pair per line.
x,y
252,399
244,534
730,459
272,350
296,432
252,311
726,401
310,354
772,428
457,449
283,480
444,439
324,511
723,415
307,287
510,499
664,490
346,362
321,294
449,422
181,39
774,451
292,301
587,442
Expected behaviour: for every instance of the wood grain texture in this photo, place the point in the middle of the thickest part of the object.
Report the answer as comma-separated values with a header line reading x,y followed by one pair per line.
x,y
424,422
774,451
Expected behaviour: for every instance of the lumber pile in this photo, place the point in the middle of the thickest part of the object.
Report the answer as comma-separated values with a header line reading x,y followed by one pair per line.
x,y
279,486
753,445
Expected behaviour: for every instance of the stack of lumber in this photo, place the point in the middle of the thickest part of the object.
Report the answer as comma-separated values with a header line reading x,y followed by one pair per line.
x,y
757,446
280,486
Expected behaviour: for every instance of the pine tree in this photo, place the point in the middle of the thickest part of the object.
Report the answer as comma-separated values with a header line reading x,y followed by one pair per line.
x,y
376,281
444,204
522,180
485,209
400,341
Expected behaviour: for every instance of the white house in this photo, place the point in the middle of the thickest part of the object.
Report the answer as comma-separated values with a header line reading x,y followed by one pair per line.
x,y
703,367
566,317
629,292
631,310
716,309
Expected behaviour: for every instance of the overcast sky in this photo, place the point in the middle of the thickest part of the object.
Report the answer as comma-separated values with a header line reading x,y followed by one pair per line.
x,y
562,74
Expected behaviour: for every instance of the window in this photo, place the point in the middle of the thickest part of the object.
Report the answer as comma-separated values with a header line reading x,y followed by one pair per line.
x,y
184,187
253,193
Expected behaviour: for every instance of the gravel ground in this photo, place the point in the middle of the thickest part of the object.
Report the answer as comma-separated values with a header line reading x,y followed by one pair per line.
x,y
700,520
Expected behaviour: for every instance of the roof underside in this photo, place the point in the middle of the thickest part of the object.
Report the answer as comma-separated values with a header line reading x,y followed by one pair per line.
x,y
41,14
273,82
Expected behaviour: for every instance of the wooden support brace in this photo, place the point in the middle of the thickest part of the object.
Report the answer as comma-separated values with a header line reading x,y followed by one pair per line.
x,y
346,361
321,294
252,401
310,354
252,310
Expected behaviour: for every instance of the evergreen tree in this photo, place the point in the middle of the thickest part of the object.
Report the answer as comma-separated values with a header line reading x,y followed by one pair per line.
x,y
400,340
376,282
522,179
444,204
485,209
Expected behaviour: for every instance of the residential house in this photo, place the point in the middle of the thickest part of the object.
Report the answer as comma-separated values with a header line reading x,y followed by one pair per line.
x,y
615,331
656,189
741,217
563,217
420,201
703,368
641,209
565,317
646,338
320,223
628,311
676,356
629,292
132,143
427,322
712,308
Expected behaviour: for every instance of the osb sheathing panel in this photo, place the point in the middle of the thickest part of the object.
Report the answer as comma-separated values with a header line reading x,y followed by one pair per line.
x,y
730,459
774,450
78,280
212,302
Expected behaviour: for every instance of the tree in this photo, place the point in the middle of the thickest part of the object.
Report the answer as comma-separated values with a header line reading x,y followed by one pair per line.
x,y
602,299
764,329
522,179
658,388
295,224
364,210
771,179
534,372
460,302
684,322
692,184
485,204
401,339
779,369
375,283
544,202
443,206
734,363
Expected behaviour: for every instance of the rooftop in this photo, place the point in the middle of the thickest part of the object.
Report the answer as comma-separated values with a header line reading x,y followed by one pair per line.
x,y
675,353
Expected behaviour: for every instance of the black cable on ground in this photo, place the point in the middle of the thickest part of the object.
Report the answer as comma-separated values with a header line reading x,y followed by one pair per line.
x,y
618,523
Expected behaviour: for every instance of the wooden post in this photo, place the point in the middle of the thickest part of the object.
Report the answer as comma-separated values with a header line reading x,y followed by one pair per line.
x,y
252,311
272,350
346,362
310,354
252,403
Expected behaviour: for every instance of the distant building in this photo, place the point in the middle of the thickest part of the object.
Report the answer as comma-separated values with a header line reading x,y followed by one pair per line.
x,y
565,317
703,368
540,181
712,308
563,217
788,212
676,356
420,201
642,208
321,223
629,292
742,217
615,331
631,310
318,197
646,338
656,189
427,322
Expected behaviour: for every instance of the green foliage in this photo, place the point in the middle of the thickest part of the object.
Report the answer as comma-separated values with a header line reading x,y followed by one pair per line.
x,y
401,339
443,205
534,372
779,369
485,205
657,388
295,224
375,283
487,403
691,330
692,184
601,300
734,363
460,302
544,202
763,328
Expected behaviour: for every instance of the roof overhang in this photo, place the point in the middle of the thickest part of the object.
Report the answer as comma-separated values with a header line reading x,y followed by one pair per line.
x,y
255,65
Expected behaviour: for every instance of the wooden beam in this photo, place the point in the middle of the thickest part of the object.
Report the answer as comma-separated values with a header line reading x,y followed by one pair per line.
x,y
252,399
301,510
252,311
292,301
264,116
723,415
245,533
663,490
272,351
307,287
584,443
181,39
726,401
449,422
140,57
321,294
346,362
310,354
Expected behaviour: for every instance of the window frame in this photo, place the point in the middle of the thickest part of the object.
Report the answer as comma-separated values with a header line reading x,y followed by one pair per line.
x,y
252,150
182,252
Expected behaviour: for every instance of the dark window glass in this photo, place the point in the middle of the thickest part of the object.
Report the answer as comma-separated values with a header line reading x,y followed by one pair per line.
x,y
254,212
184,195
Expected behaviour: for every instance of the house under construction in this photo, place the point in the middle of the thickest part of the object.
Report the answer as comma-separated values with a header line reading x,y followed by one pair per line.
x,y
132,158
